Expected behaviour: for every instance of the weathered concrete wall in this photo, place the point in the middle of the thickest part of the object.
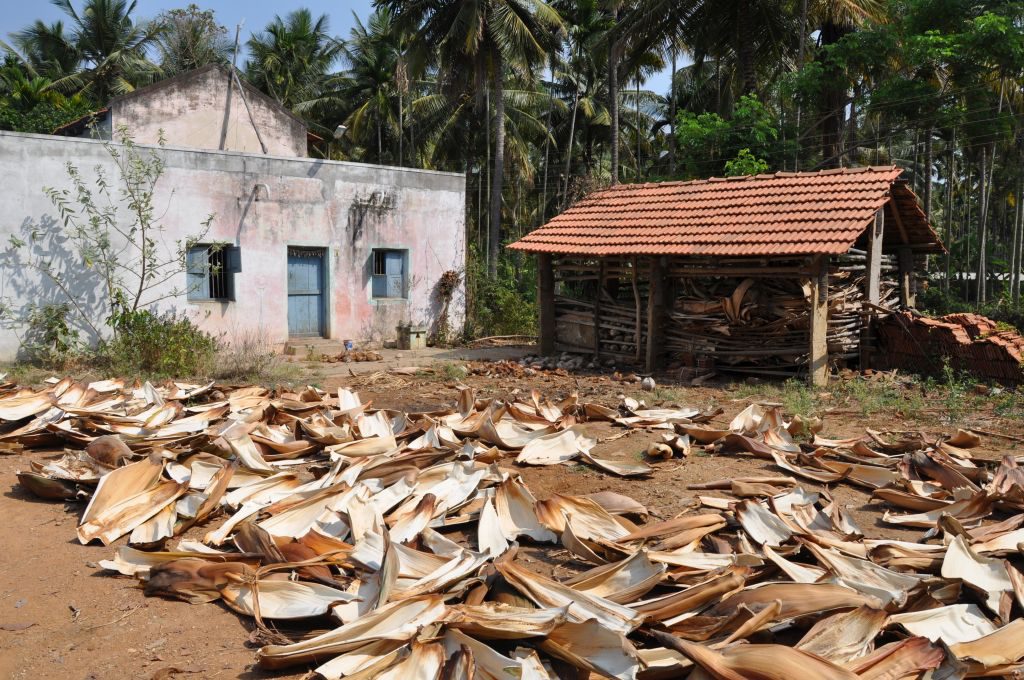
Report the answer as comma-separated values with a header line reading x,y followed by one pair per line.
x,y
301,202
190,111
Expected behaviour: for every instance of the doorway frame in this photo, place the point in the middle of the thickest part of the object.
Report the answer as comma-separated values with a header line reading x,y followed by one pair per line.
x,y
326,280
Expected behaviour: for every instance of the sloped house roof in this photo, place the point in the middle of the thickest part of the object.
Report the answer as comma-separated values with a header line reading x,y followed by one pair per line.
x,y
193,110
781,214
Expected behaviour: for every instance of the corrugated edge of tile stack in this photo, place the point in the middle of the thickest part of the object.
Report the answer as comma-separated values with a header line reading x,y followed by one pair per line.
x,y
969,342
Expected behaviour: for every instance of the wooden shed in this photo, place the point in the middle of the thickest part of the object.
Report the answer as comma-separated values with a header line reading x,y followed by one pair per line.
x,y
777,274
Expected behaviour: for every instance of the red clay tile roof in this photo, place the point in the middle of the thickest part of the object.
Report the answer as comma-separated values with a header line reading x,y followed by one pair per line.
x,y
781,214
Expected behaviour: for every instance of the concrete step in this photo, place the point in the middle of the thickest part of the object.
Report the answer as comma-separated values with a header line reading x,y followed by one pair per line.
x,y
300,347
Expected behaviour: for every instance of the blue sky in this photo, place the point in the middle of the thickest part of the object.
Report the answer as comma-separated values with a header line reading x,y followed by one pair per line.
x,y
255,13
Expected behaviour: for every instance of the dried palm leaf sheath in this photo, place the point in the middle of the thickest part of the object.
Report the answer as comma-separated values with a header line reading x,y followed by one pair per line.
x,y
395,538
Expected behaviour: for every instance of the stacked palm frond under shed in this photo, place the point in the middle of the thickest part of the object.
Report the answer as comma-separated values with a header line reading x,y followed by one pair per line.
x,y
774,273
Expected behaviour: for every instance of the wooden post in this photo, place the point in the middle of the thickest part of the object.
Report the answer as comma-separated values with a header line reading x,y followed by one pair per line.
x,y
906,267
636,301
875,233
818,364
597,309
655,309
872,285
546,302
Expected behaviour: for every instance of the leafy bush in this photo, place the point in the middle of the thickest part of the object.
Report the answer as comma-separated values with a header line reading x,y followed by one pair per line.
x,y
707,141
506,304
168,345
44,117
745,163
51,342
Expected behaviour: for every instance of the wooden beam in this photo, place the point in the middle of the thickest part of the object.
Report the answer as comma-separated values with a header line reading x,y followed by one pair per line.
x,y
655,312
906,270
546,302
899,221
597,308
818,358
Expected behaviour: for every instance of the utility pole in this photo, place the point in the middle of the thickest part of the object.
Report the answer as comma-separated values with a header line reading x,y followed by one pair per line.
x,y
231,83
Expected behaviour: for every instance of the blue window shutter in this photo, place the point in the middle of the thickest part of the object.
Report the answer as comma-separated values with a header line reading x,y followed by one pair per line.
x,y
233,259
394,268
380,286
198,276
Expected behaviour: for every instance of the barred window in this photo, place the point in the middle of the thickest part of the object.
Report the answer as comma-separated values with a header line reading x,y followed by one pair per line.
x,y
389,273
211,272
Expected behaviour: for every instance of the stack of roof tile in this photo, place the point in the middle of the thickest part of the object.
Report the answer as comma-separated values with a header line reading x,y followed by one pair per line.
x,y
969,342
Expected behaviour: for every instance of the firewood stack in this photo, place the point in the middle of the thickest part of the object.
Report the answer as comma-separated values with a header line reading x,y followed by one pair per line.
x,y
763,325
731,316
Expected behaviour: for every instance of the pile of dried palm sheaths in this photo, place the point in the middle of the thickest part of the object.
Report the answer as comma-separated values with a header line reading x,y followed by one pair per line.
x,y
375,543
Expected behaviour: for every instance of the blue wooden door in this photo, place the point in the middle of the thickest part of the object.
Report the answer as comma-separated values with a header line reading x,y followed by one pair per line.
x,y
305,291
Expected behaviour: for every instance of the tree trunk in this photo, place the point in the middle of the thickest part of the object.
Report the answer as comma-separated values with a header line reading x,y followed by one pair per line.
x,y
1020,242
926,195
852,129
834,99
951,177
636,128
547,146
494,246
1015,255
965,214
745,48
981,274
613,106
671,127
799,67
568,148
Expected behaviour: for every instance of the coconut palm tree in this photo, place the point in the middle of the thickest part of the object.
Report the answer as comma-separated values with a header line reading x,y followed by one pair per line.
x,y
478,42
191,38
112,48
292,57
368,94
45,50
833,19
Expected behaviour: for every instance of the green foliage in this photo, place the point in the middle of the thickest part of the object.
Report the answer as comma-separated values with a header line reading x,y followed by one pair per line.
x,y
42,118
152,345
794,395
50,340
935,302
879,396
745,163
444,291
449,372
291,58
252,357
712,145
506,304
868,396
956,391
103,52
